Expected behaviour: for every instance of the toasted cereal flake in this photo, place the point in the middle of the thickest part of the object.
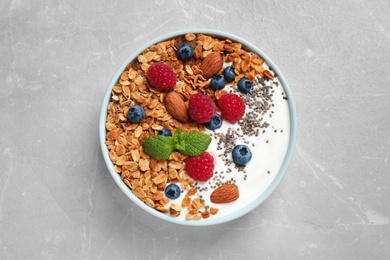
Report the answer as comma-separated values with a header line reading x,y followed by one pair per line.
x,y
153,189
144,164
174,210
205,214
189,70
172,173
191,181
142,59
186,202
122,140
120,150
110,126
162,177
198,51
192,215
149,202
127,182
162,209
197,203
213,211
130,165
135,155
121,160
158,195
118,169
163,164
190,37
268,74
208,43
154,165
150,55
244,65
164,201
136,174
192,192
139,192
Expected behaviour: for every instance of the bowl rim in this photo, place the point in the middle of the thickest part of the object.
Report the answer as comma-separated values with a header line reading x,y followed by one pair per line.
x,y
210,221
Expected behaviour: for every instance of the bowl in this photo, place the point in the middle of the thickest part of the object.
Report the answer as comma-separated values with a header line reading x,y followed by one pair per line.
x,y
268,129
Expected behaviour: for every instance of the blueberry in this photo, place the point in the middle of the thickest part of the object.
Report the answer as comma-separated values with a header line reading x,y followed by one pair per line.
x,y
241,154
185,51
217,82
214,123
165,132
172,191
229,74
136,114
244,85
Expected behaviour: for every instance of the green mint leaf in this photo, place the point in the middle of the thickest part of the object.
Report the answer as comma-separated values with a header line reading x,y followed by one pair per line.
x,y
178,140
159,147
195,143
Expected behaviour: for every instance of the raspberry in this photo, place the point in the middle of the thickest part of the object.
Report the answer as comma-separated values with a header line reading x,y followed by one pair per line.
x,y
201,108
201,167
161,76
232,107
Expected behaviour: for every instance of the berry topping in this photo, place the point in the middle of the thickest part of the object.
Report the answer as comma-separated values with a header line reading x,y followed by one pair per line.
x,y
217,82
229,74
232,107
244,85
136,114
165,132
241,154
185,51
214,123
172,191
201,108
201,167
161,76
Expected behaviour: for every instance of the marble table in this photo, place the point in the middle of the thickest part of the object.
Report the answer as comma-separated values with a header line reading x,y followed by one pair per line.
x,y
57,199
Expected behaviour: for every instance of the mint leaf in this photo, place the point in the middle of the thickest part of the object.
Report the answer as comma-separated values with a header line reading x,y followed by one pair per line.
x,y
191,143
159,147
195,143
178,140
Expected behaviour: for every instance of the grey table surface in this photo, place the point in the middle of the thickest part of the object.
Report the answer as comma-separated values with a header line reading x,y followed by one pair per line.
x,y
57,199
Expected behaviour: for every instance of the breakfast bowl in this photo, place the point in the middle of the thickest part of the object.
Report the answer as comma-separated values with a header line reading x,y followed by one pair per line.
x,y
198,127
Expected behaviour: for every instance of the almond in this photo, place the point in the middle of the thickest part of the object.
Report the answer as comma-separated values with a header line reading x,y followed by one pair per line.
x,y
211,65
225,194
174,104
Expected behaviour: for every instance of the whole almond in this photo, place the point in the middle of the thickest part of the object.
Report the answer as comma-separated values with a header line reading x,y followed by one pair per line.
x,y
211,65
174,104
225,194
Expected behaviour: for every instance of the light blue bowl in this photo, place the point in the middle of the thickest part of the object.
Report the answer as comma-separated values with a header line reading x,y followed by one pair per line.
x,y
211,220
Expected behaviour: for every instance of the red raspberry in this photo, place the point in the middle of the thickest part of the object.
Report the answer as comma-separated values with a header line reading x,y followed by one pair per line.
x,y
161,76
201,167
232,107
201,108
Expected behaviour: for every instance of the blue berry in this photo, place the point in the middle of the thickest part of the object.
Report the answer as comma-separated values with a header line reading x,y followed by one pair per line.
x,y
214,123
185,51
241,154
244,85
136,114
229,74
217,82
172,191
165,132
